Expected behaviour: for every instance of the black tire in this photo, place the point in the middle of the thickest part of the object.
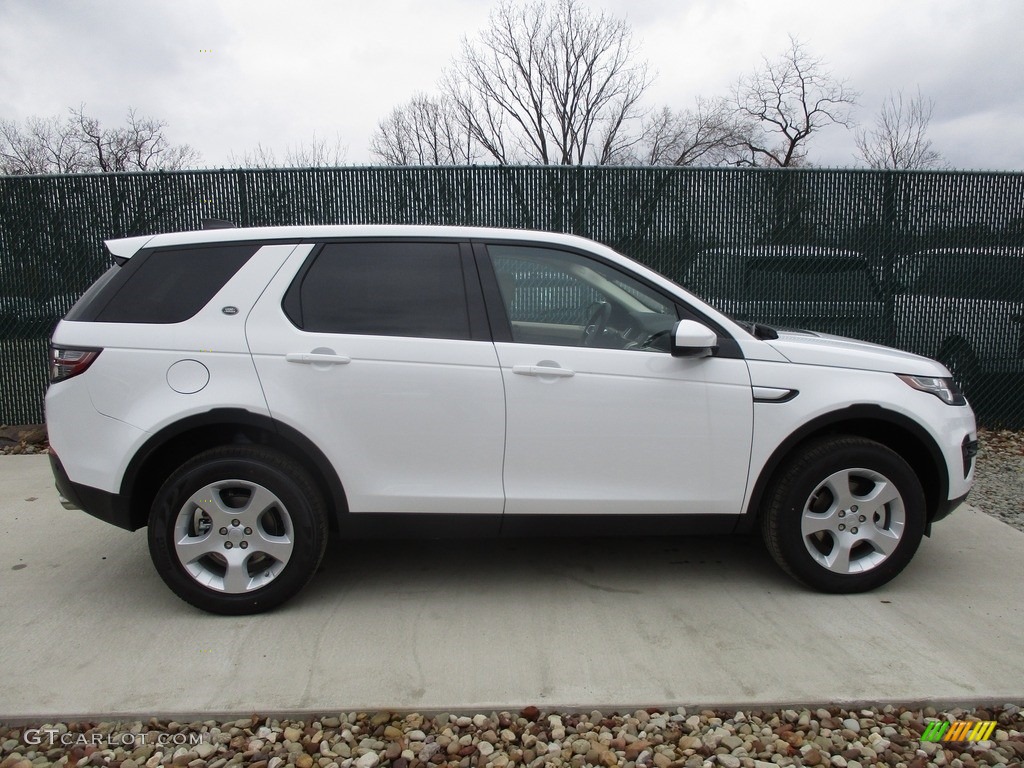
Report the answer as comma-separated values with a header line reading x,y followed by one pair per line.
x,y
246,503
845,514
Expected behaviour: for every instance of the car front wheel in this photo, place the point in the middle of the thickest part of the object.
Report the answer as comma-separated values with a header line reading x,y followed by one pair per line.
x,y
845,515
237,530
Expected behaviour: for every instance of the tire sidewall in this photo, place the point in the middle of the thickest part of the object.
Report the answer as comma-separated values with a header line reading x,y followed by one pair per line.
x,y
806,476
285,482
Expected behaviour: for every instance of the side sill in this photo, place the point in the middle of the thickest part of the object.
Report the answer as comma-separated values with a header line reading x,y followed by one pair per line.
x,y
432,526
619,526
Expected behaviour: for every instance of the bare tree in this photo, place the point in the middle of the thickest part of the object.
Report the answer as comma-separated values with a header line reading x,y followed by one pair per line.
x,y
424,131
42,145
139,145
549,82
899,140
79,144
318,153
705,135
787,100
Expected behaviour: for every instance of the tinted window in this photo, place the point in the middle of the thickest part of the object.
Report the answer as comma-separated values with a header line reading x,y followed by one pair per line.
x,y
169,285
384,289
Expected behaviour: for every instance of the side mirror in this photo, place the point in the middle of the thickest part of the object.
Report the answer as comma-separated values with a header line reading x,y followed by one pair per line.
x,y
691,339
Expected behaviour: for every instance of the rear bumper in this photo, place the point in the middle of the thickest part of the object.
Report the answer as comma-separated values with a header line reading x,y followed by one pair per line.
x,y
108,507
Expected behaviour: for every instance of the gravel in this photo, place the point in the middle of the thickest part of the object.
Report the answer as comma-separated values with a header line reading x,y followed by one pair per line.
x,y
646,738
999,477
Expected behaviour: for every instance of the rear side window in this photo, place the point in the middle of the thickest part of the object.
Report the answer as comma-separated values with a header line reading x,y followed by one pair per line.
x,y
169,285
382,289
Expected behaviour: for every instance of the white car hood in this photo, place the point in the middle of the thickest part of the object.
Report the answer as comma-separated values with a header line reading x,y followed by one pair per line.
x,y
811,348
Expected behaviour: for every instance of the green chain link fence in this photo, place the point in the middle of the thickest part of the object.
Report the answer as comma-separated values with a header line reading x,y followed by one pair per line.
x,y
932,262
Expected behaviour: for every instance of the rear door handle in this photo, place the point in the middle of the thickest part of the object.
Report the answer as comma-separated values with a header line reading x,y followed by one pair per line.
x,y
542,370
317,358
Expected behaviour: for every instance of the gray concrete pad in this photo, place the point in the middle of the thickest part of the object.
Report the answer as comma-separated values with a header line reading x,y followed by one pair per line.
x,y
88,628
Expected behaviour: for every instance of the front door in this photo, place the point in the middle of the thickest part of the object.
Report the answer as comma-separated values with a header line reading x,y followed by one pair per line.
x,y
600,417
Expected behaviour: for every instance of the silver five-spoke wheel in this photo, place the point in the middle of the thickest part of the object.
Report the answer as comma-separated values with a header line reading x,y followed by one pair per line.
x,y
853,521
234,536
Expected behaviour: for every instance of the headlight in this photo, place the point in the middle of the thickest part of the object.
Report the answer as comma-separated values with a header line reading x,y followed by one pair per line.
x,y
945,389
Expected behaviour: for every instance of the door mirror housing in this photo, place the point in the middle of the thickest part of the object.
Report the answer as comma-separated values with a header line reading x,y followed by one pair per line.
x,y
692,339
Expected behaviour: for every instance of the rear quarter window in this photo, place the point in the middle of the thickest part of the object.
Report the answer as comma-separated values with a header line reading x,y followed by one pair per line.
x,y
168,285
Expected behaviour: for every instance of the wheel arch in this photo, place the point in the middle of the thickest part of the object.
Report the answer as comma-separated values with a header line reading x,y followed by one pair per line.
x,y
894,430
169,448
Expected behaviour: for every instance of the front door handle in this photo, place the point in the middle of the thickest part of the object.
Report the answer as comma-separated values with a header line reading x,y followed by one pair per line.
x,y
317,358
542,370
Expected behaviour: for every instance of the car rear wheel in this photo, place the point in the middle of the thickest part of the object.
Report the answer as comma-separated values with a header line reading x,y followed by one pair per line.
x,y
237,530
845,515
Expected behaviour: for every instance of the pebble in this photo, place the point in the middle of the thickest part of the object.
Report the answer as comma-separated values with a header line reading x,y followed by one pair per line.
x,y
203,750
821,738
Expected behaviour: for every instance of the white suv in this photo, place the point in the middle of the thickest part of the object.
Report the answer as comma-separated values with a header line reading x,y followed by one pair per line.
x,y
245,391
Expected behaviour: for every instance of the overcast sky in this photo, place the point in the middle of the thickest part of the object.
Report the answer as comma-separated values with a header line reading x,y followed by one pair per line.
x,y
228,74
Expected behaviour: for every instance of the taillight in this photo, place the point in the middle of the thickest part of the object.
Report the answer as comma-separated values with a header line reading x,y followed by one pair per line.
x,y
66,362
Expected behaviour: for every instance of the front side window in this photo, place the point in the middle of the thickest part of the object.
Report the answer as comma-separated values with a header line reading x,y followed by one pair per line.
x,y
558,297
382,289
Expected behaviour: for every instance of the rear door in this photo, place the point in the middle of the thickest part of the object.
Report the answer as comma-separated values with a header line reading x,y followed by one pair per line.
x,y
379,352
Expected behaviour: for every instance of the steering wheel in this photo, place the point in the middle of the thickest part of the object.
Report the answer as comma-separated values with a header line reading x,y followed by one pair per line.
x,y
596,323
